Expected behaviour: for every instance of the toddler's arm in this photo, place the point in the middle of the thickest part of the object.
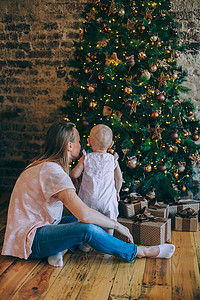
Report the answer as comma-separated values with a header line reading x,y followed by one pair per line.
x,y
76,171
118,180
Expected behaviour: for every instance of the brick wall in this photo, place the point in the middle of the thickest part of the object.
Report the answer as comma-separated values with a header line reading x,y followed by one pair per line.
x,y
36,38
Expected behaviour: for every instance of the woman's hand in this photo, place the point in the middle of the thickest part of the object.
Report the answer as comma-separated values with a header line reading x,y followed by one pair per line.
x,y
125,231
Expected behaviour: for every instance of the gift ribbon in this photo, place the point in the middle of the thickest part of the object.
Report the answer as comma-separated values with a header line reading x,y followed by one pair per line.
x,y
145,216
186,213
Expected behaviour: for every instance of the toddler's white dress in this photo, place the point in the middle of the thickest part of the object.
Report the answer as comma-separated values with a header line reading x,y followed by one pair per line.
x,y
97,188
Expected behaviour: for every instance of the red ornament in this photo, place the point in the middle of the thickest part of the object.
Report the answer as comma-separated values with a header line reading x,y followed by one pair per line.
x,y
161,97
141,28
85,122
174,135
195,137
155,115
161,167
130,60
183,189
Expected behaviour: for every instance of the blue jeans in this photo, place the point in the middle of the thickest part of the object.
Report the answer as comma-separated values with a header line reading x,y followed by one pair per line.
x,y
69,233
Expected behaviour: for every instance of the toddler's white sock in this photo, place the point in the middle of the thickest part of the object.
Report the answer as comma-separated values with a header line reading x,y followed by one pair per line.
x,y
166,251
57,260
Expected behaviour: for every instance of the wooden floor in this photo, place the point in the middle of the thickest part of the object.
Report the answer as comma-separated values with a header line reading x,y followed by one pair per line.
x,y
97,276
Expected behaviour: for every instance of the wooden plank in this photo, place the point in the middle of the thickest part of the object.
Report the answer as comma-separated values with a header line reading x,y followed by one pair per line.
x,y
157,279
50,282
196,243
14,275
100,278
72,277
5,262
128,280
37,282
185,275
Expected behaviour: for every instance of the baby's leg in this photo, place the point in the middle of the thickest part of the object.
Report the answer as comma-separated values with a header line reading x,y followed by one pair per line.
x,y
57,259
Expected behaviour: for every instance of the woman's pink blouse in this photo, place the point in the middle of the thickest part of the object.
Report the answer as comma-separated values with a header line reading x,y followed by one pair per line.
x,y
34,204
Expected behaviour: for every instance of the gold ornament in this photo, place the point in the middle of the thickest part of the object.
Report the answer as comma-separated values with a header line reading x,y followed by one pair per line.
x,y
142,54
176,174
186,133
147,168
189,113
143,96
112,59
108,29
154,38
134,9
101,77
128,90
111,151
153,68
121,12
93,104
151,90
132,162
173,148
91,87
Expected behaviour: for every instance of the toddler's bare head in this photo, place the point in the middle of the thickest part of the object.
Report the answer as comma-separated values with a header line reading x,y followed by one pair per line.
x,y
101,137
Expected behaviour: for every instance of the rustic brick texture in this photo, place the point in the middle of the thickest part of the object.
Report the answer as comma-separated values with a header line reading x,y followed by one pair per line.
x,y
36,38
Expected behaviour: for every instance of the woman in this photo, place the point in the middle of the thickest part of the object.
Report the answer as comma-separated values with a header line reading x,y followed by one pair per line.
x,y
35,227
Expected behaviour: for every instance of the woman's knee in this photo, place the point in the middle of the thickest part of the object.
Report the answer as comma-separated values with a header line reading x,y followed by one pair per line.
x,y
91,228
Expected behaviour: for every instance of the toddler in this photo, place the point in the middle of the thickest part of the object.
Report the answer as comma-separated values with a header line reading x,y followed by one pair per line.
x,y
102,177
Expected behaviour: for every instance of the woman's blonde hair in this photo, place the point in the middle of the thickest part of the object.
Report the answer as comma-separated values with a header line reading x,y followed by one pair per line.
x,y
55,148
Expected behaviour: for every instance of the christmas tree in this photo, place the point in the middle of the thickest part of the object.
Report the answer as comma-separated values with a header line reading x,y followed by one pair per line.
x,y
124,74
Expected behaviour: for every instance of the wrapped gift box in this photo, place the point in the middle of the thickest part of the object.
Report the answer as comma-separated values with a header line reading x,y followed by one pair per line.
x,y
182,204
186,220
159,211
186,224
148,233
132,205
